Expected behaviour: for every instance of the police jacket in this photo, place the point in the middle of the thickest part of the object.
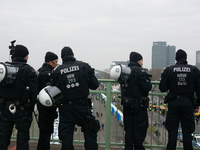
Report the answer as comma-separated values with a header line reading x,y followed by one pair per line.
x,y
180,79
74,78
44,76
139,83
24,88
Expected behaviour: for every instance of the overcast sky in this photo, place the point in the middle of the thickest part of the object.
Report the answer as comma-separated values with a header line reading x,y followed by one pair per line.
x,y
99,31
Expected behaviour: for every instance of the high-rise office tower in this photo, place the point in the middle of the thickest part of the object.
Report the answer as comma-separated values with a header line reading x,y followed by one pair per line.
x,y
163,55
197,57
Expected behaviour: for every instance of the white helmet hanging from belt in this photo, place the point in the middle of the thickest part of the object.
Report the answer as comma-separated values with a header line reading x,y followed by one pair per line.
x,y
120,73
8,73
50,96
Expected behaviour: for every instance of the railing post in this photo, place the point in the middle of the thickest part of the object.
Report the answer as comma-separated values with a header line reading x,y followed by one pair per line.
x,y
108,112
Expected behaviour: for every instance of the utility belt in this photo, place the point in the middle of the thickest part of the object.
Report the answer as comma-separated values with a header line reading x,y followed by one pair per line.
x,y
80,102
13,105
135,102
171,97
19,105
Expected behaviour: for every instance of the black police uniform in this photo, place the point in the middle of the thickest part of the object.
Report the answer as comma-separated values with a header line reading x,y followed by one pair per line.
x,y
135,103
181,81
24,100
46,114
74,78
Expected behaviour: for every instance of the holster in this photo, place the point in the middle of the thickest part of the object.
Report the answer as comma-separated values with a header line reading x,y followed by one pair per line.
x,y
145,102
91,124
195,102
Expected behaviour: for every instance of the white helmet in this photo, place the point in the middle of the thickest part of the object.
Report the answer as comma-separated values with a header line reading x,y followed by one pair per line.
x,y
115,72
120,72
50,96
3,72
8,73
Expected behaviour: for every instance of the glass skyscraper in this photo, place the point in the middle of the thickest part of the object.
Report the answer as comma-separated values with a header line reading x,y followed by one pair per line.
x,y
163,55
197,57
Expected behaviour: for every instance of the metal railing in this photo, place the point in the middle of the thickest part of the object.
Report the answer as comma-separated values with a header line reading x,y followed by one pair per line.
x,y
113,135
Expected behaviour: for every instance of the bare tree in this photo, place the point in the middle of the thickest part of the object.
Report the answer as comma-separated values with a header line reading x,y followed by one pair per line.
x,y
106,73
156,74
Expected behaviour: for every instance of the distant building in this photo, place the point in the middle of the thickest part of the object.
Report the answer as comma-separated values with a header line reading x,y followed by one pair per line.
x,y
163,55
197,57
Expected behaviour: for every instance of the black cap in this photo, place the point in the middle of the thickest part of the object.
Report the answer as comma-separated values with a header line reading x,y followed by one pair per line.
x,y
66,51
50,56
134,56
181,54
21,51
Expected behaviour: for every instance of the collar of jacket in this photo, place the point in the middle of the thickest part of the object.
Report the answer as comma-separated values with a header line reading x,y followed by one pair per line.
x,y
182,61
46,66
68,58
133,63
18,59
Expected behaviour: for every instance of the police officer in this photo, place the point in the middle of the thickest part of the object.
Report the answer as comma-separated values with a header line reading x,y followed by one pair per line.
x,y
19,98
180,81
74,78
135,103
46,114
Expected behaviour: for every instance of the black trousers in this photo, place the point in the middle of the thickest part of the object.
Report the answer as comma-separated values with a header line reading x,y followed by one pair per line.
x,y
7,122
44,140
180,110
46,127
136,124
69,116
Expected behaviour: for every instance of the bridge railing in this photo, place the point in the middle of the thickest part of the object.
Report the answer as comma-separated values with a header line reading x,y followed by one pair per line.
x,y
107,108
